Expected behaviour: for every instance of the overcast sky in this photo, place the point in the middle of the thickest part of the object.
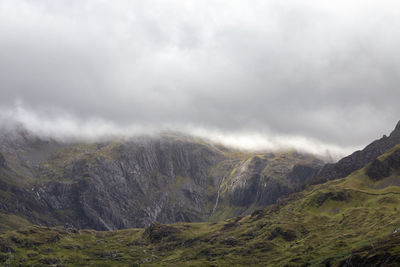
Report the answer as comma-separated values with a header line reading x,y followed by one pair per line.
x,y
302,71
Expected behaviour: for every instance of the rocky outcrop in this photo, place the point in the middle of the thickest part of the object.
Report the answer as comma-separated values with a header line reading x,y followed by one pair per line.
x,y
146,180
109,185
393,160
358,159
378,169
245,185
261,181
300,174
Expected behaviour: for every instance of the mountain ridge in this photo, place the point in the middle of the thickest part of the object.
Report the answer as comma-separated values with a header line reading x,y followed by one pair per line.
x,y
169,178
351,221
132,182
357,159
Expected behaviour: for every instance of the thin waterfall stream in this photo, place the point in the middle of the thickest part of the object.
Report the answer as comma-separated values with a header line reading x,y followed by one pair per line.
x,y
219,189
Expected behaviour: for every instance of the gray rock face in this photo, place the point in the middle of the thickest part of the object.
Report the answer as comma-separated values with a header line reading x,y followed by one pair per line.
x,y
378,169
138,186
301,173
261,181
393,160
245,186
132,183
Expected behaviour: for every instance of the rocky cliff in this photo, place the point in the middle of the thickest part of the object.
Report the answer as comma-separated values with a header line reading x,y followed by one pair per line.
x,y
358,159
134,182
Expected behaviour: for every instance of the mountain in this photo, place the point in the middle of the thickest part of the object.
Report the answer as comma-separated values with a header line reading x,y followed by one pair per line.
x,y
132,182
341,221
352,221
358,159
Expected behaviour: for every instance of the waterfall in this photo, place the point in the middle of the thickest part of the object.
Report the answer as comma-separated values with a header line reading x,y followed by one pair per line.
x,y
219,190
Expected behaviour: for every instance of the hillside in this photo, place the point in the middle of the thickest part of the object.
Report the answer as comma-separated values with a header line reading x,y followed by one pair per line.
x,y
128,183
55,197
358,159
346,222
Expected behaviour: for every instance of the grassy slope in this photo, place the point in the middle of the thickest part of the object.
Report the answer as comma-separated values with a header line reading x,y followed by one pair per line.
x,y
328,221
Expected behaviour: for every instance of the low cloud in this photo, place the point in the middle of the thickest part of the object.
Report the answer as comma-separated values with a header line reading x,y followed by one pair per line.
x,y
316,74
65,128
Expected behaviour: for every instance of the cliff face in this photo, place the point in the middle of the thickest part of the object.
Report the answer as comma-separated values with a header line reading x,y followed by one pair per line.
x,y
132,183
260,180
358,159
168,178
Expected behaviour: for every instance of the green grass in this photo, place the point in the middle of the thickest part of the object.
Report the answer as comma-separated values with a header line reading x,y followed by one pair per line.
x,y
53,168
329,221
11,222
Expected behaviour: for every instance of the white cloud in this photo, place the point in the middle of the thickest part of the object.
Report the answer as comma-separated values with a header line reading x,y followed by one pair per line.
x,y
312,70
64,127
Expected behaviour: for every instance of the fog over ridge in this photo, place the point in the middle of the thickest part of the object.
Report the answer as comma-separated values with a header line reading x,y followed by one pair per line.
x,y
314,75
63,127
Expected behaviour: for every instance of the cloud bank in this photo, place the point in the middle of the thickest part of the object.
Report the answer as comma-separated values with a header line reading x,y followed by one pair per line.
x,y
315,72
63,127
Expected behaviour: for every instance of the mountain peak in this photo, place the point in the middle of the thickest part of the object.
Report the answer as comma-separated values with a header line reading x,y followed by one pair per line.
x,y
397,129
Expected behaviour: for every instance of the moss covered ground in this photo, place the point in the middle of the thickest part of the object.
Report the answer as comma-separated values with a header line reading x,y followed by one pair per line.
x,y
350,218
349,221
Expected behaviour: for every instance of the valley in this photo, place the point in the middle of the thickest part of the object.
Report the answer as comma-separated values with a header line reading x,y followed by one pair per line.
x,y
177,201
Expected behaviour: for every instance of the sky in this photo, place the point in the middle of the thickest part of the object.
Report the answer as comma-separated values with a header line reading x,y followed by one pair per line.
x,y
317,75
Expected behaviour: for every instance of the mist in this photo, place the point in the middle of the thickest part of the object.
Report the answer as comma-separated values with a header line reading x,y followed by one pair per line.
x,y
318,76
62,127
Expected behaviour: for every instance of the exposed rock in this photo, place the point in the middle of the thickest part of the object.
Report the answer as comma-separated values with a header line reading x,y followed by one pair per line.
x,y
246,192
245,183
378,170
271,190
358,159
393,160
301,173
250,183
132,183
397,128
